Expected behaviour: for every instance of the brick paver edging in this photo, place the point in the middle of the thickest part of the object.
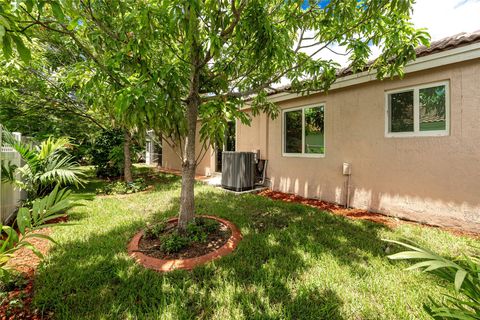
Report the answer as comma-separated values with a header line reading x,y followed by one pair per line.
x,y
162,265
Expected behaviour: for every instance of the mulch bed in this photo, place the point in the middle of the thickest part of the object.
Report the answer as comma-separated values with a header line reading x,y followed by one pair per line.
x,y
18,300
215,240
17,303
390,222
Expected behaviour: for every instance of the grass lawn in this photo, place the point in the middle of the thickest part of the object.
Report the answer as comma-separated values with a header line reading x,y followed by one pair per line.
x,y
294,262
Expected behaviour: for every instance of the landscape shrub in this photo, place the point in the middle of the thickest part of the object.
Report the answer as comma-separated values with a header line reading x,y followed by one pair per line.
x,y
46,165
154,231
199,230
42,215
122,187
107,154
172,241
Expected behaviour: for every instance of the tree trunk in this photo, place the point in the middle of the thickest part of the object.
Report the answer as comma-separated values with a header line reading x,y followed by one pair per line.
x,y
159,151
127,169
189,163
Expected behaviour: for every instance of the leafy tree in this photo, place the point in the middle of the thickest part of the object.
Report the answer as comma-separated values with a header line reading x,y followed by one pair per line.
x,y
176,62
93,69
35,100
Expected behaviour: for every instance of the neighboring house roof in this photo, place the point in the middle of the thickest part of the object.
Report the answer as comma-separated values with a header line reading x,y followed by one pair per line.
x,y
458,40
438,50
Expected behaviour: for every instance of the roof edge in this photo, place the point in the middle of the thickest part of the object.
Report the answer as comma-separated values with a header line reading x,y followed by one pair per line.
x,y
433,60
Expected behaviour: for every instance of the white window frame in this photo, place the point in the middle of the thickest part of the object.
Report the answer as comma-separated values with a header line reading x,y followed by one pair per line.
x,y
416,112
303,154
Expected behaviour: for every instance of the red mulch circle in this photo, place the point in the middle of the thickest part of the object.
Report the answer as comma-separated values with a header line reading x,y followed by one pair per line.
x,y
359,214
165,265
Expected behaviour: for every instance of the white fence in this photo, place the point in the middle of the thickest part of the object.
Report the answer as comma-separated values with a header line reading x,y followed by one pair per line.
x,y
9,196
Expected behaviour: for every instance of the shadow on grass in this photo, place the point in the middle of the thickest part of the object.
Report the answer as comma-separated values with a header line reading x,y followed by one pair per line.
x,y
92,277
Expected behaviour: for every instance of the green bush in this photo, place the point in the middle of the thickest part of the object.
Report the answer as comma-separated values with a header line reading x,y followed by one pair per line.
x,y
46,165
107,154
463,273
42,214
154,231
199,230
122,187
174,242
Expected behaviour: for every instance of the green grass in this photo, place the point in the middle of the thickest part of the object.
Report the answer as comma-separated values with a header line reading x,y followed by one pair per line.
x,y
294,262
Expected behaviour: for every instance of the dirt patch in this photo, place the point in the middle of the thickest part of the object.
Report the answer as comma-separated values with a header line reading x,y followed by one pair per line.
x,y
391,222
215,239
16,302
17,299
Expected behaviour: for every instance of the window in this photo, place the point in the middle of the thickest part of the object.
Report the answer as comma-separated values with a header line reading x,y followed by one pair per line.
x,y
418,111
303,131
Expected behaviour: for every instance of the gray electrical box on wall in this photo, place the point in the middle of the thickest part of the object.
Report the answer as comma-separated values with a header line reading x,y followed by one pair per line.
x,y
347,169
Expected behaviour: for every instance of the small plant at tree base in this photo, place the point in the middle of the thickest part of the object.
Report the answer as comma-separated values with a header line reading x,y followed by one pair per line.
x,y
174,242
464,273
122,187
154,231
199,230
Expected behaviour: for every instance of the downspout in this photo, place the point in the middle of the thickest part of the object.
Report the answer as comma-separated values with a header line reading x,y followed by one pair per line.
x,y
347,171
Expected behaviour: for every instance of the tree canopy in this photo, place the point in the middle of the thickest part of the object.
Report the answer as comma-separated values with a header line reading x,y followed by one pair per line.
x,y
168,64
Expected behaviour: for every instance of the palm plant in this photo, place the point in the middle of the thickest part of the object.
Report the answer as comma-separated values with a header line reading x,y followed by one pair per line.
x,y
43,213
46,165
463,273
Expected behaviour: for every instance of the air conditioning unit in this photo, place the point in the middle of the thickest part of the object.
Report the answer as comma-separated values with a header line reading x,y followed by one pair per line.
x,y
238,170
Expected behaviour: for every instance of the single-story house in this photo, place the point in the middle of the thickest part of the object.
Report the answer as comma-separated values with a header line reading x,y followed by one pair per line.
x,y
413,144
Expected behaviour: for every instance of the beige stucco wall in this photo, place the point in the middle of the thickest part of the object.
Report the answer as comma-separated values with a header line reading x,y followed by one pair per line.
x,y
206,166
253,137
434,180
430,179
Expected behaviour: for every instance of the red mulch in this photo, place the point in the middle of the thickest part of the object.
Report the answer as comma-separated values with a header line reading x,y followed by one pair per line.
x,y
390,222
25,262
17,304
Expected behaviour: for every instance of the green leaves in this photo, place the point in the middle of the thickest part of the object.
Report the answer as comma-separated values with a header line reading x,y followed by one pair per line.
x,y
47,165
6,46
464,274
43,211
23,219
23,51
4,22
8,36
6,40
57,10
2,32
